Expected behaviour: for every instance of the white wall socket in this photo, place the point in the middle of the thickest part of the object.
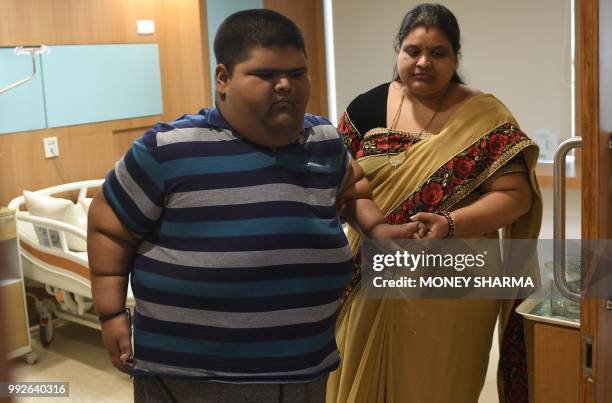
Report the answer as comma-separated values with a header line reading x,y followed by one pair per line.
x,y
145,27
547,140
51,147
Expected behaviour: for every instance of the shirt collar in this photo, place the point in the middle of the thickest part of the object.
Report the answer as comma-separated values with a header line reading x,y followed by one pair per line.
x,y
215,118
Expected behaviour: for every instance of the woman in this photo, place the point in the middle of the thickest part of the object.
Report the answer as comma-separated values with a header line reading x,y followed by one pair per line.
x,y
437,151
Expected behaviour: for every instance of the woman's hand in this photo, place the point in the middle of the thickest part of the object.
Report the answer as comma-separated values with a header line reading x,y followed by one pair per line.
x,y
436,225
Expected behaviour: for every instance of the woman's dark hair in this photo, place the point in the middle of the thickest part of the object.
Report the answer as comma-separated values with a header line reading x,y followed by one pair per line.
x,y
431,15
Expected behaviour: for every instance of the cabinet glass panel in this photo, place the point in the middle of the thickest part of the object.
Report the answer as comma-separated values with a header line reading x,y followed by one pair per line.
x,y
94,83
21,108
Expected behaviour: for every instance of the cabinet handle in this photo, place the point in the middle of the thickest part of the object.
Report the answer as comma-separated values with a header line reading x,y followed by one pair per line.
x,y
587,353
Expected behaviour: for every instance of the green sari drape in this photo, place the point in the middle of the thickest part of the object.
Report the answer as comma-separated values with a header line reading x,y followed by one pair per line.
x,y
431,351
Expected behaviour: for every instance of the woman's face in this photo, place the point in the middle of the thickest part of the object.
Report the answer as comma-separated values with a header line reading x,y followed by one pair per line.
x,y
426,61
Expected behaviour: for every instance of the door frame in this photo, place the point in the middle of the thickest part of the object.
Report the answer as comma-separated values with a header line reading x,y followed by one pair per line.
x,y
596,320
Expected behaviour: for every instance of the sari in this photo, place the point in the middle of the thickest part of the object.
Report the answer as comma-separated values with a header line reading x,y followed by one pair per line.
x,y
432,351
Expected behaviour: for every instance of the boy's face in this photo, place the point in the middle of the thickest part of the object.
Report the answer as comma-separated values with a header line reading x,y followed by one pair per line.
x,y
265,98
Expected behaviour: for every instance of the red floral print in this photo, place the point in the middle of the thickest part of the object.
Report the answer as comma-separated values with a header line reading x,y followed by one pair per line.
x,y
496,145
383,142
516,137
351,137
465,167
458,172
408,205
400,219
432,194
513,360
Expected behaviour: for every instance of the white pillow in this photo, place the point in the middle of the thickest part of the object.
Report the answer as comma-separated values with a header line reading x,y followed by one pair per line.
x,y
85,202
57,209
82,214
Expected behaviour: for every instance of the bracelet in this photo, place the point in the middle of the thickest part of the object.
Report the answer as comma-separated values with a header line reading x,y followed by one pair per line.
x,y
451,224
105,318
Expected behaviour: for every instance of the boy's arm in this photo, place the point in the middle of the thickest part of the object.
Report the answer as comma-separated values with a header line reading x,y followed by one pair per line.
x,y
110,247
357,208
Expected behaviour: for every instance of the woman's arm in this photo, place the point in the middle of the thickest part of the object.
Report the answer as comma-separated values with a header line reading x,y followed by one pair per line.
x,y
505,198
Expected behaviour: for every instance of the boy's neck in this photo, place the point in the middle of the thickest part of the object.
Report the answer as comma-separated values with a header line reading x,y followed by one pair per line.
x,y
259,134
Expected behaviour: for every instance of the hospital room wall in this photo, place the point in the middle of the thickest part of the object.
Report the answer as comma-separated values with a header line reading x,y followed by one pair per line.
x,y
89,151
518,50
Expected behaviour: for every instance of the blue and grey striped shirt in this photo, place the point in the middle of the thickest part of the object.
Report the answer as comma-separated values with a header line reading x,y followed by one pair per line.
x,y
243,260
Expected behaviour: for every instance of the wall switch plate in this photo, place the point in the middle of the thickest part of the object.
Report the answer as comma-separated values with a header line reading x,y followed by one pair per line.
x,y
145,27
51,147
547,140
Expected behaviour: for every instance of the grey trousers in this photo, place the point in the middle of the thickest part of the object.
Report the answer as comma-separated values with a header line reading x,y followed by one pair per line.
x,y
177,390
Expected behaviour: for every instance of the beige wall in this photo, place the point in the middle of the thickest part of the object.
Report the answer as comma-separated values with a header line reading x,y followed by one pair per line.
x,y
518,50
89,151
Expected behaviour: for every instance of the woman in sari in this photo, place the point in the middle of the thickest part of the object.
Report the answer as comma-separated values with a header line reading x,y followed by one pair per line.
x,y
454,158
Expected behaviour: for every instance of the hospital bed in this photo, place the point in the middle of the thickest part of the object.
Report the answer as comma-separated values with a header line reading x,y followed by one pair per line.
x,y
48,261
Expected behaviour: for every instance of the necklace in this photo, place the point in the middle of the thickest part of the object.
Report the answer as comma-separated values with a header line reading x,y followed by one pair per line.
x,y
397,161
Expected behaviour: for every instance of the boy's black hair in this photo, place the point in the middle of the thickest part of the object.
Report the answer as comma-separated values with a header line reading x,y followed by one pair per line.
x,y
244,30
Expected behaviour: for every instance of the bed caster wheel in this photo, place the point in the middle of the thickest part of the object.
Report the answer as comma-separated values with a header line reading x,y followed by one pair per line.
x,y
45,331
31,358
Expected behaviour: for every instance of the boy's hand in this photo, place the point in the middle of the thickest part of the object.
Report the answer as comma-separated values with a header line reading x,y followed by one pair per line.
x,y
117,338
411,230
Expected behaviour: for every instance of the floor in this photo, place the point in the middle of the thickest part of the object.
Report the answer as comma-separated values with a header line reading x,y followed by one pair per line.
x,y
77,356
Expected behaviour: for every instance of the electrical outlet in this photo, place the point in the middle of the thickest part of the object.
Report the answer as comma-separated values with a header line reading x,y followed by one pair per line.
x,y
145,27
51,147
547,140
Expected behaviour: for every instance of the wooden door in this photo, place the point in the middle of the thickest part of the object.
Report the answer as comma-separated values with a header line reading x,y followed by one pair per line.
x,y
594,103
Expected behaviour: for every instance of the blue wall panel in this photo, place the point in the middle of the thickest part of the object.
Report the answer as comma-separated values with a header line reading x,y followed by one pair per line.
x,y
21,108
94,83
217,11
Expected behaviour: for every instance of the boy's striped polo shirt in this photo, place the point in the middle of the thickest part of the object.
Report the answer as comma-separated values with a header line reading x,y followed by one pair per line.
x,y
243,260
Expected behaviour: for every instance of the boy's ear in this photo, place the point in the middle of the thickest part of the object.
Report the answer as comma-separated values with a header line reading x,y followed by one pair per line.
x,y
222,78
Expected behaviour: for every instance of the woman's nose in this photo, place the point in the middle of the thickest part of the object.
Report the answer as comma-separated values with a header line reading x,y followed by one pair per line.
x,y
423,61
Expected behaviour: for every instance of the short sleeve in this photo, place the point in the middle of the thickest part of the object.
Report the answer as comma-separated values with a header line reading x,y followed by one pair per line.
x,y
516,164
134,189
